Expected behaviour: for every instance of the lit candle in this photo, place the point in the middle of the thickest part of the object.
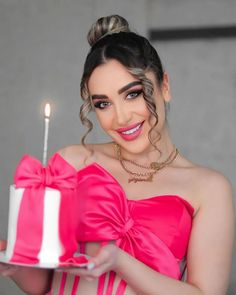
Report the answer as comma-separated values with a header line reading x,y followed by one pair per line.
x,y
47,112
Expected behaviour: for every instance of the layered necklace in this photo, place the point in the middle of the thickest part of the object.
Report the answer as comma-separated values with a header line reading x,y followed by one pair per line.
x,y
151,169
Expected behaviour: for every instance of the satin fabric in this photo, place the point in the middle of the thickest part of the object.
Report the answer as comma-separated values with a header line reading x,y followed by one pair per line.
x,y
154,230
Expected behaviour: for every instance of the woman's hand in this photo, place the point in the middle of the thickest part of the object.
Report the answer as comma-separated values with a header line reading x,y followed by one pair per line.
x,y
104,261
6,269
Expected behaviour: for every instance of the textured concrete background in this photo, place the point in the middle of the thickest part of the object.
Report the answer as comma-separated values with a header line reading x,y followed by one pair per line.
x,y
42,50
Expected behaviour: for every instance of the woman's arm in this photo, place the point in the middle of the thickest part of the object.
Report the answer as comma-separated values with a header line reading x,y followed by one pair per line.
x,y
33,281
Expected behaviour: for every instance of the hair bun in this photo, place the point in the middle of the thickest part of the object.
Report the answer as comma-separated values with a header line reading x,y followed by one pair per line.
x,y
106,26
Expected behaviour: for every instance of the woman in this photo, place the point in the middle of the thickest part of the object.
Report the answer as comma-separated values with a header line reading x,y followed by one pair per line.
x,y
147,207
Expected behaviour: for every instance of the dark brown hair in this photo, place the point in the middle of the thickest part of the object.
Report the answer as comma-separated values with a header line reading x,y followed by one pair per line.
x,y
111,38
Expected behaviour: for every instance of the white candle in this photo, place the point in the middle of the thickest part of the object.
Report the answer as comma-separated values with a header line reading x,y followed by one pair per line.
x,y
47,112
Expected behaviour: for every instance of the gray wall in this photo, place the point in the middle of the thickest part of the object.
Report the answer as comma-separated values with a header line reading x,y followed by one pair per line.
x,y
42,49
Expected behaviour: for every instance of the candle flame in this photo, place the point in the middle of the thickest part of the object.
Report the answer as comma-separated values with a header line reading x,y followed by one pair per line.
x,y
47,110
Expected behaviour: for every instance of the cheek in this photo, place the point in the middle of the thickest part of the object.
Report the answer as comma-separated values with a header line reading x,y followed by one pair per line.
x,y
141,109
150,117
103,119
147,114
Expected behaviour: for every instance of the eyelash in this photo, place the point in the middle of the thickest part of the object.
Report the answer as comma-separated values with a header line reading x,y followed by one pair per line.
x,y
103,104
136,92
98,105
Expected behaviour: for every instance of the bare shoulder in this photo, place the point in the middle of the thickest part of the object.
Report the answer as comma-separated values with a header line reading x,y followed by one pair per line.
x,y
75,155
214,182
212,187
79,156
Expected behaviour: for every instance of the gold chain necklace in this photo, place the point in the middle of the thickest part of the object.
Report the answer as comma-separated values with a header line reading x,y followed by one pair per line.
x,y
154,166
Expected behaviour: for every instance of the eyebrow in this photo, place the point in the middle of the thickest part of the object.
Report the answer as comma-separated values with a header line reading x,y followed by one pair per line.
x,y
128,86
123,89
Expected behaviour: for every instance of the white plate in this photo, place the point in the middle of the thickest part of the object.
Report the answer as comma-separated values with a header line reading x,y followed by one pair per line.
x,y
51,265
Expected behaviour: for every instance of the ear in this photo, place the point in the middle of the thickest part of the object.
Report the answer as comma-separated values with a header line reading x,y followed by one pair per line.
x,y
165,88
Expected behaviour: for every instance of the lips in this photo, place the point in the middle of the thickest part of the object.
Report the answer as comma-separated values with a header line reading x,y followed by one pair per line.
x,y
131,132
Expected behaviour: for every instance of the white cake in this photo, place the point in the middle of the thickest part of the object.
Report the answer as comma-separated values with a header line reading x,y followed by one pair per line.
x,y
44,234
51,247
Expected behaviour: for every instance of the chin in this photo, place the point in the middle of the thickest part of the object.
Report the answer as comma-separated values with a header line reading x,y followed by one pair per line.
x,y
136,147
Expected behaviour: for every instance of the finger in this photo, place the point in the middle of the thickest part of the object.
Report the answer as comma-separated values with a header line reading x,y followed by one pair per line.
x,y
3,245
2,266
91,265
101,258
75,270
89,275
8,271
89,278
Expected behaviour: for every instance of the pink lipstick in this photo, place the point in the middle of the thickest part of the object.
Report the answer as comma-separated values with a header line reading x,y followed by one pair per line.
x,y
131,132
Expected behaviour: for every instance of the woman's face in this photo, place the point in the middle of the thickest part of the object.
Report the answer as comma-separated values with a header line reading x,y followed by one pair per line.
x,y
118,100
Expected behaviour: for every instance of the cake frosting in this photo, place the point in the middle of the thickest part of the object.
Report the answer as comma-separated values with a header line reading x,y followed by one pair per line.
x,y
43,213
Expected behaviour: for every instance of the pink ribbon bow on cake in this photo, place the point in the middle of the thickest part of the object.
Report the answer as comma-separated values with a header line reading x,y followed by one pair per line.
x,y
35,180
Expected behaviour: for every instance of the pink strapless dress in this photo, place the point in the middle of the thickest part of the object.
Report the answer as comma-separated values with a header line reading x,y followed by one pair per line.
x,y
154,230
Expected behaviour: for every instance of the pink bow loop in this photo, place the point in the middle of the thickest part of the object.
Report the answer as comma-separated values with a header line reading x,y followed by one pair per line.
x,y
31,173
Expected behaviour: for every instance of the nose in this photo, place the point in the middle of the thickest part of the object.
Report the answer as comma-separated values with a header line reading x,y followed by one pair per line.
x,y
123,114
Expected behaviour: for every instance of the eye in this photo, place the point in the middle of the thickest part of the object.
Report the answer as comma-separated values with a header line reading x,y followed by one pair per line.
x,y
133,94
101,105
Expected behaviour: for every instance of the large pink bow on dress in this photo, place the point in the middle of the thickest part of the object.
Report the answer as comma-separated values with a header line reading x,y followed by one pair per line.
x,y
34,178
